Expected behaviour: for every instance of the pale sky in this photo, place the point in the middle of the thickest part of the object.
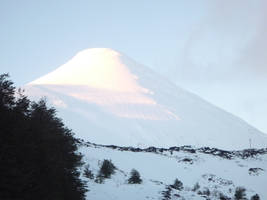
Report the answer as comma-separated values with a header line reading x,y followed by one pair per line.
x,y
214,48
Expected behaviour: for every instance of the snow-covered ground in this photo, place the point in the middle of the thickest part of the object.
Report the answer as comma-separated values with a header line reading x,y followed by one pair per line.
x,y
159,170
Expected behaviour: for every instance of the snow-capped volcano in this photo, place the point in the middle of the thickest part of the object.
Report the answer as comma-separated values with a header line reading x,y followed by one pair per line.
x,y
107,98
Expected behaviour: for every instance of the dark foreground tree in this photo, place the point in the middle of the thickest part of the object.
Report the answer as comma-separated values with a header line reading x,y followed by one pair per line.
x,y
135,177
38,154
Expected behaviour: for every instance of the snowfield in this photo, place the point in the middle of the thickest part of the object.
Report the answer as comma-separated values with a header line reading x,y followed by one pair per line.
x,y
159,170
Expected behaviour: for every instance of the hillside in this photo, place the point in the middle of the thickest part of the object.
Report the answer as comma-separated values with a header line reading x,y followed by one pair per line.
x,y
217,172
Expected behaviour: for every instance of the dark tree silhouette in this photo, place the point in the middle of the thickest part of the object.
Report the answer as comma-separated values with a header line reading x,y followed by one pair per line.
x,y
38,154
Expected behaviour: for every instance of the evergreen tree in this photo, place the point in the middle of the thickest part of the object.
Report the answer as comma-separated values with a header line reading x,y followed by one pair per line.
x,y
38,154
135,177
107,169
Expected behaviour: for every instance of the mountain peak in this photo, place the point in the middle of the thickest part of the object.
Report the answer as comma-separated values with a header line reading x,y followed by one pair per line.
x,y
98,51
107,98
100,68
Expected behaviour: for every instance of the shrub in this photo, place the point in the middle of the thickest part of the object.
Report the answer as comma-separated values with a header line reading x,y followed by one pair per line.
x,y
206,192
87,172
99,179
223,197
196,187
167,193
240,193
135,177
255,197
178,185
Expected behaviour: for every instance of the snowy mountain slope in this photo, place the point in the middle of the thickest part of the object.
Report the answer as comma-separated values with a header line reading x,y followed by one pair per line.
x,y
107,98
159,170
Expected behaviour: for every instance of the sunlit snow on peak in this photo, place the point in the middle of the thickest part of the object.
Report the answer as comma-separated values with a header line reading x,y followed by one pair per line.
x,y
97,68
